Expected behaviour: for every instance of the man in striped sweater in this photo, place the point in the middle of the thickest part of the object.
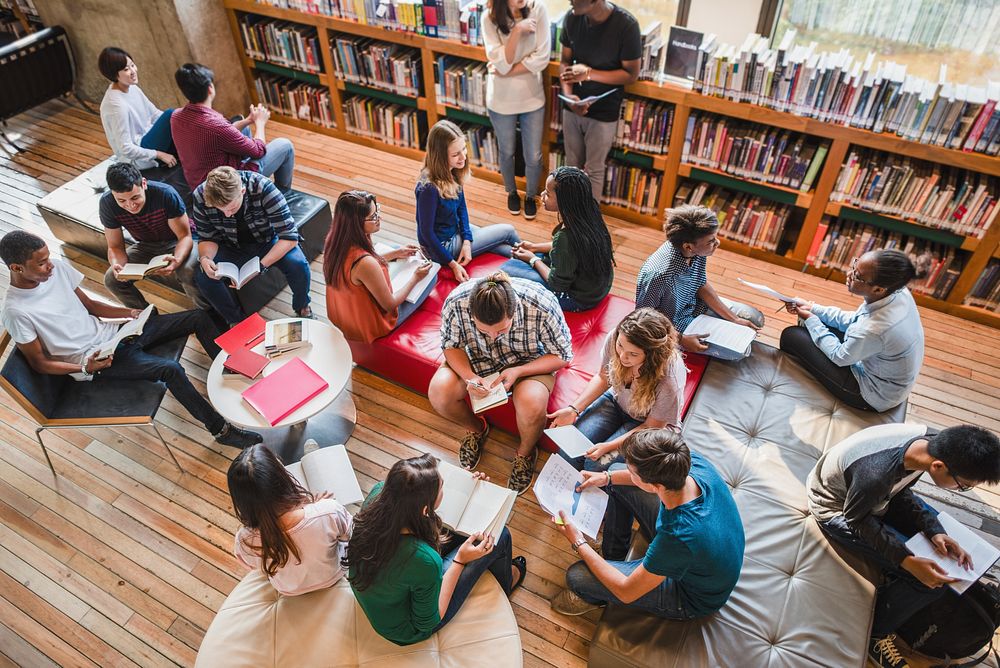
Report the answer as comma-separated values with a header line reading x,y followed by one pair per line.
x,y
860,494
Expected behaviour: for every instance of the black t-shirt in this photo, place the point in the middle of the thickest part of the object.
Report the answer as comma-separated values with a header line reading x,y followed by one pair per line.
x,y
151,223
602,46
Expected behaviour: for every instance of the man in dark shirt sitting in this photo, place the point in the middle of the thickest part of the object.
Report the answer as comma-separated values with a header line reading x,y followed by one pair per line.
x,y
238,216
58,329
154,215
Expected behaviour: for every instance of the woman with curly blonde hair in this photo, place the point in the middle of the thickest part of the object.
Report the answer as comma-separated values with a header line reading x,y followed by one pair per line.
x,y
640,386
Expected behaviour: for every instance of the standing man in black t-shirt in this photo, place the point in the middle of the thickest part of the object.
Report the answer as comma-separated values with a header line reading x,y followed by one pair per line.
x,y
601,48
154,215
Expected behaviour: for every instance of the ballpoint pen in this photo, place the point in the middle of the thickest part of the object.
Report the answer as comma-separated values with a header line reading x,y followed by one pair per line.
x,y
476,383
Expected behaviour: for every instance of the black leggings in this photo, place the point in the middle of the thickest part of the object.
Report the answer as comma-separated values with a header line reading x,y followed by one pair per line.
x,y
839,380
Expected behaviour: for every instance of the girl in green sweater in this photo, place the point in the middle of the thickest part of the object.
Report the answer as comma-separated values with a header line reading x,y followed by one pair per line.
x,y
578,264
407,590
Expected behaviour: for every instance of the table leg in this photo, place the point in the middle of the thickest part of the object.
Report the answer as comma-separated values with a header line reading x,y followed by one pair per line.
x,y
333,425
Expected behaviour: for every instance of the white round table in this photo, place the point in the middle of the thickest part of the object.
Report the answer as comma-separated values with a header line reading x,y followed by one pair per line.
x,y
328,418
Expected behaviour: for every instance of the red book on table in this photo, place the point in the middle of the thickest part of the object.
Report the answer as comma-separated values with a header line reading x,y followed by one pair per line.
x,y
246,334
278,395
247,362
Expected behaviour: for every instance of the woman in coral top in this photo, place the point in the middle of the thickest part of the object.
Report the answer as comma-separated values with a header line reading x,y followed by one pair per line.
x,y
359,295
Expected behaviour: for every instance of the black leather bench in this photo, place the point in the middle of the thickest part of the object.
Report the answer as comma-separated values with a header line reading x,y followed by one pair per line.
x,y
71,212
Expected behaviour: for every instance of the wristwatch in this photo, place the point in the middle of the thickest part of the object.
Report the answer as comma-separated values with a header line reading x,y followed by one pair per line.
x,y
533,261
83,370
578,543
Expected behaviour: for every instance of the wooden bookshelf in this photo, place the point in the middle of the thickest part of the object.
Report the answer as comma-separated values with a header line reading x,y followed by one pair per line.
x,y
816,203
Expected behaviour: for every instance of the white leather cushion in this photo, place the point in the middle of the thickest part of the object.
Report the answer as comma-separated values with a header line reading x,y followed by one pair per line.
x,y
257,627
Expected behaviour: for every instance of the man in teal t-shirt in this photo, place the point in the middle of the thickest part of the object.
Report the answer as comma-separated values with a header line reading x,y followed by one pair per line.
x,y
696,552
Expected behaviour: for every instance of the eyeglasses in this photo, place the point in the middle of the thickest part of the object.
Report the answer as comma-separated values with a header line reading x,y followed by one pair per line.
x,y
854,273
377,216
958,485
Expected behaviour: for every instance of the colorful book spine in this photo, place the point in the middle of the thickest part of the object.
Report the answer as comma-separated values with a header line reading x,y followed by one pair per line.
x,y
742,217
390,123
644,125
282,43
381,65
462,83
985,293
294,98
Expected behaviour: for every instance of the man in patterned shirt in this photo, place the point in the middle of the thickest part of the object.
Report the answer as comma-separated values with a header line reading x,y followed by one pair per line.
x,y
237,216
508,326
674,282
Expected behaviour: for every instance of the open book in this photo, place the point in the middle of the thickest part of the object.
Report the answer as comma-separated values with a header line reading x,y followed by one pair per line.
x,y
497,396
401,271
128,330
982,553
469,505
134,271
285,334
726,340
555,489
238,275
328,470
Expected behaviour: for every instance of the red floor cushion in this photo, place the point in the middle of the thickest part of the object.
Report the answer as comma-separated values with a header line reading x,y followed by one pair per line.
x,y
412,353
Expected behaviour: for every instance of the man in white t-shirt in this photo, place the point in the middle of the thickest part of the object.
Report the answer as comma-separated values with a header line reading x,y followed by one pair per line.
x,y
57,327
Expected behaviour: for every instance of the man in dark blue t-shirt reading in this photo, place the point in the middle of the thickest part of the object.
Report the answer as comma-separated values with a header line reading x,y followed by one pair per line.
x,y
154,215
696,552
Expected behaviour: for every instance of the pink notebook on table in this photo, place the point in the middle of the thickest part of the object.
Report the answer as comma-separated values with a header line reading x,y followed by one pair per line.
x,y
281,393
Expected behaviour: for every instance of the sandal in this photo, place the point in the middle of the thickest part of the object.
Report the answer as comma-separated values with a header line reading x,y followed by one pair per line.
x,y
521,564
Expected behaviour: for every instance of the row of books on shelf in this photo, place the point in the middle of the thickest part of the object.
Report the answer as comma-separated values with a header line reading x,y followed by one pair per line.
x,y
281,42
390,123
462,83
956,200
625,186
742,217
483,148
985,293
445,19
295,98
753,151
835,87
837,242
382,65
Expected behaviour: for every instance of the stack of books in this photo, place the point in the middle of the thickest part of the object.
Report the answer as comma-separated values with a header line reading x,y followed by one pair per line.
x,y
838,242
282,336
986,291
644,125
938,196
742,217
281,42
753,151
555,34
380,65
296,99
390,123
462,83
653,52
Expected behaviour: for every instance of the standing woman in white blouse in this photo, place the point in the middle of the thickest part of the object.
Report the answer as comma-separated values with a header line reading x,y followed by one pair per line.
x,y
517,39
137,131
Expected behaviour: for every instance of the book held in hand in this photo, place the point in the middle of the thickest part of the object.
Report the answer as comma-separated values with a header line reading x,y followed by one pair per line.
x,y
246,334
983,554
328,470
278,395
555,489
469,505
238,275
135,271
126,331
726,340
497,395
284,335
570,440
591,99
402,270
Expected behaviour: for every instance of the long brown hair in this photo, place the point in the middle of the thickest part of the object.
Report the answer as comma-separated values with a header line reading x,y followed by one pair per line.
x,y
493,299
262,491
437,169
411,485
346,233
652,332
503,18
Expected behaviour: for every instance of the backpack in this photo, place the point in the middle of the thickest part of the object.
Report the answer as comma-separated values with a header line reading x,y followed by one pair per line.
x,y
956,626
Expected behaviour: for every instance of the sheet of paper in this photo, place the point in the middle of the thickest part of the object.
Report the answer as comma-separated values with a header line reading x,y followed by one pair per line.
x,y
722,333
329,470
570,440
555,489
592,98
767,291
983,554
458,488
484,507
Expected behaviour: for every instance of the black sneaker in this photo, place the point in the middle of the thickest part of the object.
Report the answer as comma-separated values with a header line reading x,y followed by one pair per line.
x,y
238,438
883,653
530,208
513,203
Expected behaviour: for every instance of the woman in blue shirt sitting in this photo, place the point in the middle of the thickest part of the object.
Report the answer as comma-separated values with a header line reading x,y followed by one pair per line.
x,y
868,358
443,227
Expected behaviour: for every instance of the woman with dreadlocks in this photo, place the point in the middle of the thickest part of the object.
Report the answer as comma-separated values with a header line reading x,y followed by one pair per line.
x,y
579,267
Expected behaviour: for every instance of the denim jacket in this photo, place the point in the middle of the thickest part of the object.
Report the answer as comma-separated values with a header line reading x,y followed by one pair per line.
x,y
883,344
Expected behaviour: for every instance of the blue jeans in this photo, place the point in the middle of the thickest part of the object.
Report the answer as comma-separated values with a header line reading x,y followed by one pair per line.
x,y
279,161
132,362
532,126
662,601
496,562
602,421
625,504
159,137
293,265
490,239
520,269
900,595
406,309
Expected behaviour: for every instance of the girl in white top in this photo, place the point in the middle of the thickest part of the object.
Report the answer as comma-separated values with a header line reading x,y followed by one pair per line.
x,y
137,131
640,386
517,40
296,538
